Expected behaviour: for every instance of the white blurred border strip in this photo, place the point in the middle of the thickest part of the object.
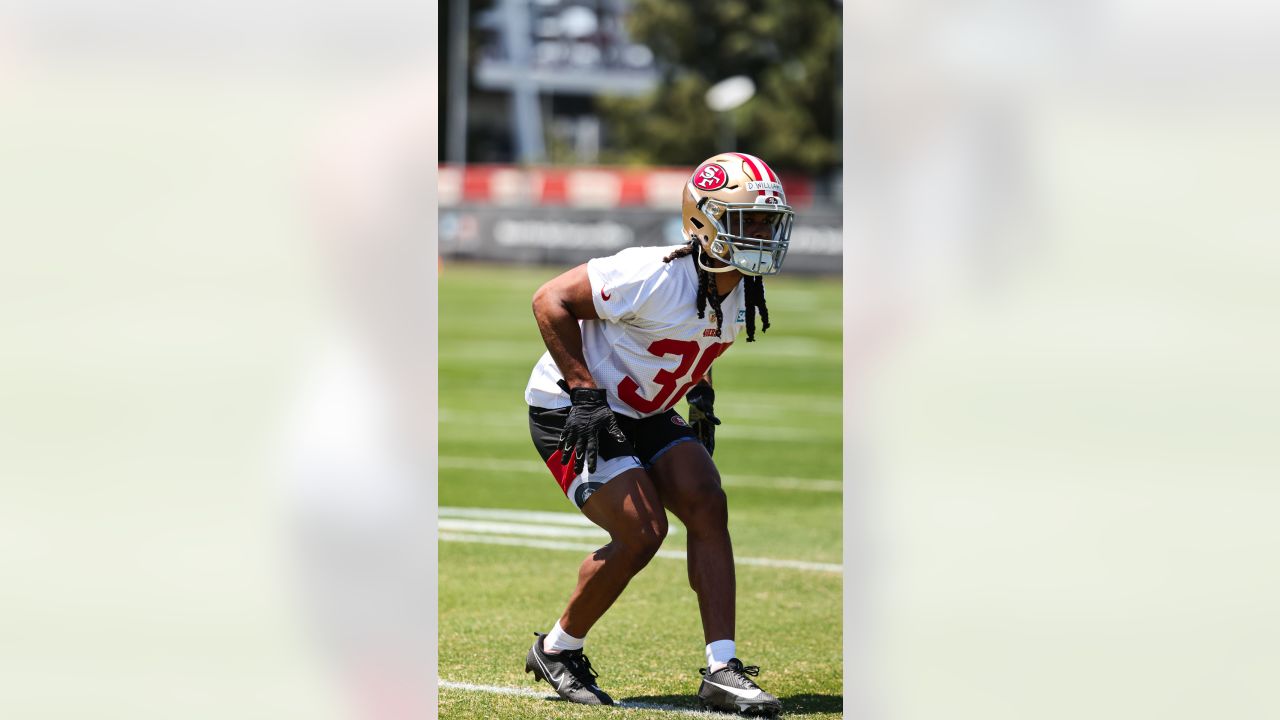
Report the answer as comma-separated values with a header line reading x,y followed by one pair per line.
x,y
667,554
748,481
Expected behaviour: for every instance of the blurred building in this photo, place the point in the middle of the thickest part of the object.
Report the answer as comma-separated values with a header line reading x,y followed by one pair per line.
x,y
523,76
522,137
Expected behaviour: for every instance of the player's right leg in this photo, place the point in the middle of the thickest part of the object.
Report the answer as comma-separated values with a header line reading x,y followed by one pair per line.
x,y
619,497
629,509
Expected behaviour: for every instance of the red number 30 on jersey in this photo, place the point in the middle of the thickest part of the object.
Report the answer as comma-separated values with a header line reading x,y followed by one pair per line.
x,y
673,384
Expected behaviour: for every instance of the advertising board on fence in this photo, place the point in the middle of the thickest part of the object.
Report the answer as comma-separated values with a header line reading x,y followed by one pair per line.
x,y
564,217
560,236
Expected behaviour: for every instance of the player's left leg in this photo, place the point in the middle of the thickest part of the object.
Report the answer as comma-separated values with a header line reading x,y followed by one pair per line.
x,y
689,484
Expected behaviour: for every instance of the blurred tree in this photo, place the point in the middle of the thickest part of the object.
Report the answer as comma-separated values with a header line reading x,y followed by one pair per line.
x,y
789,48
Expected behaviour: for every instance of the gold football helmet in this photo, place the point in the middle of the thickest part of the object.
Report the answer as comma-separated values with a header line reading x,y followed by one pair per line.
x,y
731,201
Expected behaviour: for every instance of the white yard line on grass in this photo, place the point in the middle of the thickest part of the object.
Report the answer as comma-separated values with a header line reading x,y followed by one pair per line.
x,y
507,528
554,518
522,522
497,690
525,692
667,554
767,482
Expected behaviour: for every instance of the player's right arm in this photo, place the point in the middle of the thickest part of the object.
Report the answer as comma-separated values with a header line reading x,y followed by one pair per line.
x,y
557,307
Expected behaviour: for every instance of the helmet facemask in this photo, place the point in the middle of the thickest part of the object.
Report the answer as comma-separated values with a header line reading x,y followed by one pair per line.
x,y
736,240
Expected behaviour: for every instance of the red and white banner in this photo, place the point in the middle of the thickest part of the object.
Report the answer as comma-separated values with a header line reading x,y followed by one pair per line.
x,y
584,187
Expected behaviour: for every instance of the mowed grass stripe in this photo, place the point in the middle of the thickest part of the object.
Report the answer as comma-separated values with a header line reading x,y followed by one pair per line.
x,y
531,347
665,554
467,424
757,416
731,480
453,423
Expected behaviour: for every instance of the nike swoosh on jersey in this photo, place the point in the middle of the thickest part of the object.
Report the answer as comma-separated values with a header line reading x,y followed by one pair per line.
x,y
744,694
603,296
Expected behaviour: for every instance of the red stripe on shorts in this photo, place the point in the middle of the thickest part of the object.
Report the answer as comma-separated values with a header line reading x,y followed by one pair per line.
x,y
564,474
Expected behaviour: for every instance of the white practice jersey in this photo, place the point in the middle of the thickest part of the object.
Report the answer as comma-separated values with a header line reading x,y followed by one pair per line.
x,y
649,346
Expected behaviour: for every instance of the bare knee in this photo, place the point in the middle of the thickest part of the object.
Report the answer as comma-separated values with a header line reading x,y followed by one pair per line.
x,y
707,512
650,536
641,542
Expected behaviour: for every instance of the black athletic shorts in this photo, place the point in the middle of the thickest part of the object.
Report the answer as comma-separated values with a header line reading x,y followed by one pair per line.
x,y
647,439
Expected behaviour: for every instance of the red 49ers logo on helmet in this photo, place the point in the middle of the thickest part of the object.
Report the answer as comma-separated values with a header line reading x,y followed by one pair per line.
x,y
710,176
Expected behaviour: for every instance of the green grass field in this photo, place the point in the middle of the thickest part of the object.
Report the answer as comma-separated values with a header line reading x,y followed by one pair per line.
x,y
779,451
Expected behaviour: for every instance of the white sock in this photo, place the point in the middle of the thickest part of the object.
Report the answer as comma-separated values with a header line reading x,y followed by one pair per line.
x,y
557,639
719,653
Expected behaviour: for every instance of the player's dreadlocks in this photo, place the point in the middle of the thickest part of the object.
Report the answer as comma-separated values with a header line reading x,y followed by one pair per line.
x,y
753,290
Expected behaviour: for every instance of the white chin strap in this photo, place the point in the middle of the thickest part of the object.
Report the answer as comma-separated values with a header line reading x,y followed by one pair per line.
x,y
760,260
697,257
763,261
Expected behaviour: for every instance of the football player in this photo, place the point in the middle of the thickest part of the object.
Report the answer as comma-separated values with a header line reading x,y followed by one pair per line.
x,y
627,337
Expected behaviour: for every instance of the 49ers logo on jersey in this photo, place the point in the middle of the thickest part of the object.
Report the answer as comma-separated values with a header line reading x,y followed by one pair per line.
x,y
710,176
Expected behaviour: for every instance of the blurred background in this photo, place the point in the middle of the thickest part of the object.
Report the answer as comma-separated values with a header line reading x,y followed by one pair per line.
x,y
194,206
567,129
1055,226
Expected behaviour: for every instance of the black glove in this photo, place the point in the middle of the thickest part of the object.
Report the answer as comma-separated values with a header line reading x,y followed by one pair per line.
x,y
701,418
589,416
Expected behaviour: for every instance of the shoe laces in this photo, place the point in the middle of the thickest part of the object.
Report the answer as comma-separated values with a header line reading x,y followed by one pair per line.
x,y
580,667
739,673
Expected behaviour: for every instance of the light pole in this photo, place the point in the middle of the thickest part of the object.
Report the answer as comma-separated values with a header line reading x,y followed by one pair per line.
x,y
456,134
725,96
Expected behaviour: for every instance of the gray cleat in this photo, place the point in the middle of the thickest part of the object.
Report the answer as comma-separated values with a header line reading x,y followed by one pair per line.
x,y
568,671
730,690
